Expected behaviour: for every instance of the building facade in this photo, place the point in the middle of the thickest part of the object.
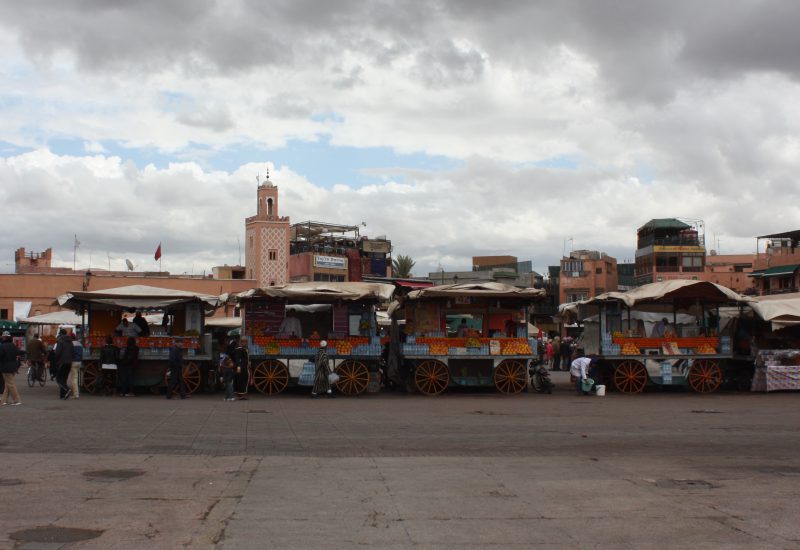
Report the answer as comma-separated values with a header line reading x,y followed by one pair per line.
x,y
669,249
776,267
322,251
585,274
267,240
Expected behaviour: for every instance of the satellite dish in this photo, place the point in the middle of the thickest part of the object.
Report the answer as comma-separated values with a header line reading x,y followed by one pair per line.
x,y
129,264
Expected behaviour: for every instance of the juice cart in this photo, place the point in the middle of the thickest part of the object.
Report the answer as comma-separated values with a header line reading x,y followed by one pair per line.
x,y
285,324
101,311
664,333
470,335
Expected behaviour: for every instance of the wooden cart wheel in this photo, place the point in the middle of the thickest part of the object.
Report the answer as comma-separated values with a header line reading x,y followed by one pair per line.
x,y
705,376
93,381
630,377
432,377
510,376
271,377
353,377
192,377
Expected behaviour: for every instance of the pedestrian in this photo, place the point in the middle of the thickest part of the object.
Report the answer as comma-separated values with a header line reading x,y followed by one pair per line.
x,y
176,370
141,322
37,354
52,364
241,362
9,365
128,361
579,371
73,379
322,371
557,353
548,352
109,361
63,358
565,350
226,369
126,328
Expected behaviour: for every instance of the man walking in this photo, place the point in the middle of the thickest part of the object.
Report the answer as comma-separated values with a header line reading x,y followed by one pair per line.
x,y
37,353
9,355
176,370
63,356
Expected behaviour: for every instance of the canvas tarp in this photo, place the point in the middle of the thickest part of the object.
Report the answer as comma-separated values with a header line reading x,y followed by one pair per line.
x,y
669,292
136,296
485,290
780,309
322,292
224,322
54,318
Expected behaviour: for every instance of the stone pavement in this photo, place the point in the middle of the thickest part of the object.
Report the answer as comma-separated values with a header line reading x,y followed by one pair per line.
x,y
470,470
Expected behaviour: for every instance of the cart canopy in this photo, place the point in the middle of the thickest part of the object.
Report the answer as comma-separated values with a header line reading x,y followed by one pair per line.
x,y
669,292
224,322
321,292
137,296
485,290
54,318
780,309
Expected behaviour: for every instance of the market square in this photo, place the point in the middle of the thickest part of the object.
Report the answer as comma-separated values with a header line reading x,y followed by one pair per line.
x,y
660,470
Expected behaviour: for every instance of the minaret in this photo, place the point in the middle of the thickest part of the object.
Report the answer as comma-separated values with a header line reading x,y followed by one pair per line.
x,y
267,239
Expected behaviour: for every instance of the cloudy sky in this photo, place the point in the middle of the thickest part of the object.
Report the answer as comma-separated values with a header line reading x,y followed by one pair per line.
x,y
456,128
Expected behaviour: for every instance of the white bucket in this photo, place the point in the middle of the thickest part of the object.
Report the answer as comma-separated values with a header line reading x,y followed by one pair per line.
x,y
601,390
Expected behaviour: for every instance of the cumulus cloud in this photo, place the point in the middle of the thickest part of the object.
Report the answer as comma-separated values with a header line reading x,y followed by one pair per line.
x,y
567,120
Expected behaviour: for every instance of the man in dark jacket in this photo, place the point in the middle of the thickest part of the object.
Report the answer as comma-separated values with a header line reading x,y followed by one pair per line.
x,y
176,370
37,353
63,352
8,366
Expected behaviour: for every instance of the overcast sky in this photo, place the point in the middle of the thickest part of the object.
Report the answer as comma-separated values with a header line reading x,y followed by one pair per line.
x,y
455,128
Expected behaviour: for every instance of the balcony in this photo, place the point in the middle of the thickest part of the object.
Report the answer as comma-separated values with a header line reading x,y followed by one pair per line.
x,y
575,274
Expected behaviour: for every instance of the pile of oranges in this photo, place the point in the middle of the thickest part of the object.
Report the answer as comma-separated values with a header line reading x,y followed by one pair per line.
x,y
630,349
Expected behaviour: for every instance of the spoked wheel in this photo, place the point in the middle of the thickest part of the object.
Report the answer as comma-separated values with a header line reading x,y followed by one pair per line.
x,y
271,377
509,376
31,375
630,377
192,377
353,377
432,377
93,380
705,376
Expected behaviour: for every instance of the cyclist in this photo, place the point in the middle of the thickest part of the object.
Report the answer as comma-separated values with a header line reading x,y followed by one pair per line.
x,y
37,353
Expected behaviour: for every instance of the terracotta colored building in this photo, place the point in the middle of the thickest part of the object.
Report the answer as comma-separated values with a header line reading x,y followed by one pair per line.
x,y
776,268
267,240
585,274
730,270
668,249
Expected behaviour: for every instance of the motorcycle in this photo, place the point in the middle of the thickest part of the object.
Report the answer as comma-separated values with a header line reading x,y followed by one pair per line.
x,y
540,378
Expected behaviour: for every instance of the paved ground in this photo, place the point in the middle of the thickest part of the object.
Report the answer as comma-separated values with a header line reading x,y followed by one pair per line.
x,y
660,470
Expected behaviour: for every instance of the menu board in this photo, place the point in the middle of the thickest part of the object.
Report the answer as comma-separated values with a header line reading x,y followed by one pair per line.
x,y
263,318
340,320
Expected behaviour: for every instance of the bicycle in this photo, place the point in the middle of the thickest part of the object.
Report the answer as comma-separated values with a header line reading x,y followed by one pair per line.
x,y
35,374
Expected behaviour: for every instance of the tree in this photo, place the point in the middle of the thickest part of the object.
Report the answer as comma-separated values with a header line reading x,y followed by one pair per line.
x,y
402,266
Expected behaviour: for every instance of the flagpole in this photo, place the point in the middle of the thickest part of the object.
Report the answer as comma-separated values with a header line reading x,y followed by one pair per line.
x,y
74,251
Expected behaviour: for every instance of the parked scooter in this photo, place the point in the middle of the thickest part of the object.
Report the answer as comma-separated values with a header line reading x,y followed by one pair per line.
x,y
540,378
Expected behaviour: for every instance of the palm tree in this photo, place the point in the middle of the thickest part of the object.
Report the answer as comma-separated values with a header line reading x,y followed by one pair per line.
x,y
402,266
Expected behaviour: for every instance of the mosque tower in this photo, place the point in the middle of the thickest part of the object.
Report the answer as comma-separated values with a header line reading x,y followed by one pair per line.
x,y
267,240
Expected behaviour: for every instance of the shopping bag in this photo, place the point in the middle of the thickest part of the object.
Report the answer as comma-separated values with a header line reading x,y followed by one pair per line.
x,y
333,378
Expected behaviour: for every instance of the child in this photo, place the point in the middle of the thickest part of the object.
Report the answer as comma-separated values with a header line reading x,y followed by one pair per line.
x,y
227,372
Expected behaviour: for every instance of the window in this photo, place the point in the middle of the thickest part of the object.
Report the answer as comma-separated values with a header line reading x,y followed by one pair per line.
x,y
598,270
3,314
251,241
273,255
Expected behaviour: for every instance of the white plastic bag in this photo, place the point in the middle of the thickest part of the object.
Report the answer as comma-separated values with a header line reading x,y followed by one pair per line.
x,y
333,378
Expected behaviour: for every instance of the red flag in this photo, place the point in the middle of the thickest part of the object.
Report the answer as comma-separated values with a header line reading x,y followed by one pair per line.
x,y
158,252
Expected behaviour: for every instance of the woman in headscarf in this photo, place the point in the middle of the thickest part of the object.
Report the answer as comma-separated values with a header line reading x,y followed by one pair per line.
x,y
322,370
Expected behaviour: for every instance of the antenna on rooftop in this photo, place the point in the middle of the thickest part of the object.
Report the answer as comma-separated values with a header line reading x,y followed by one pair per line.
x,y
130,265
